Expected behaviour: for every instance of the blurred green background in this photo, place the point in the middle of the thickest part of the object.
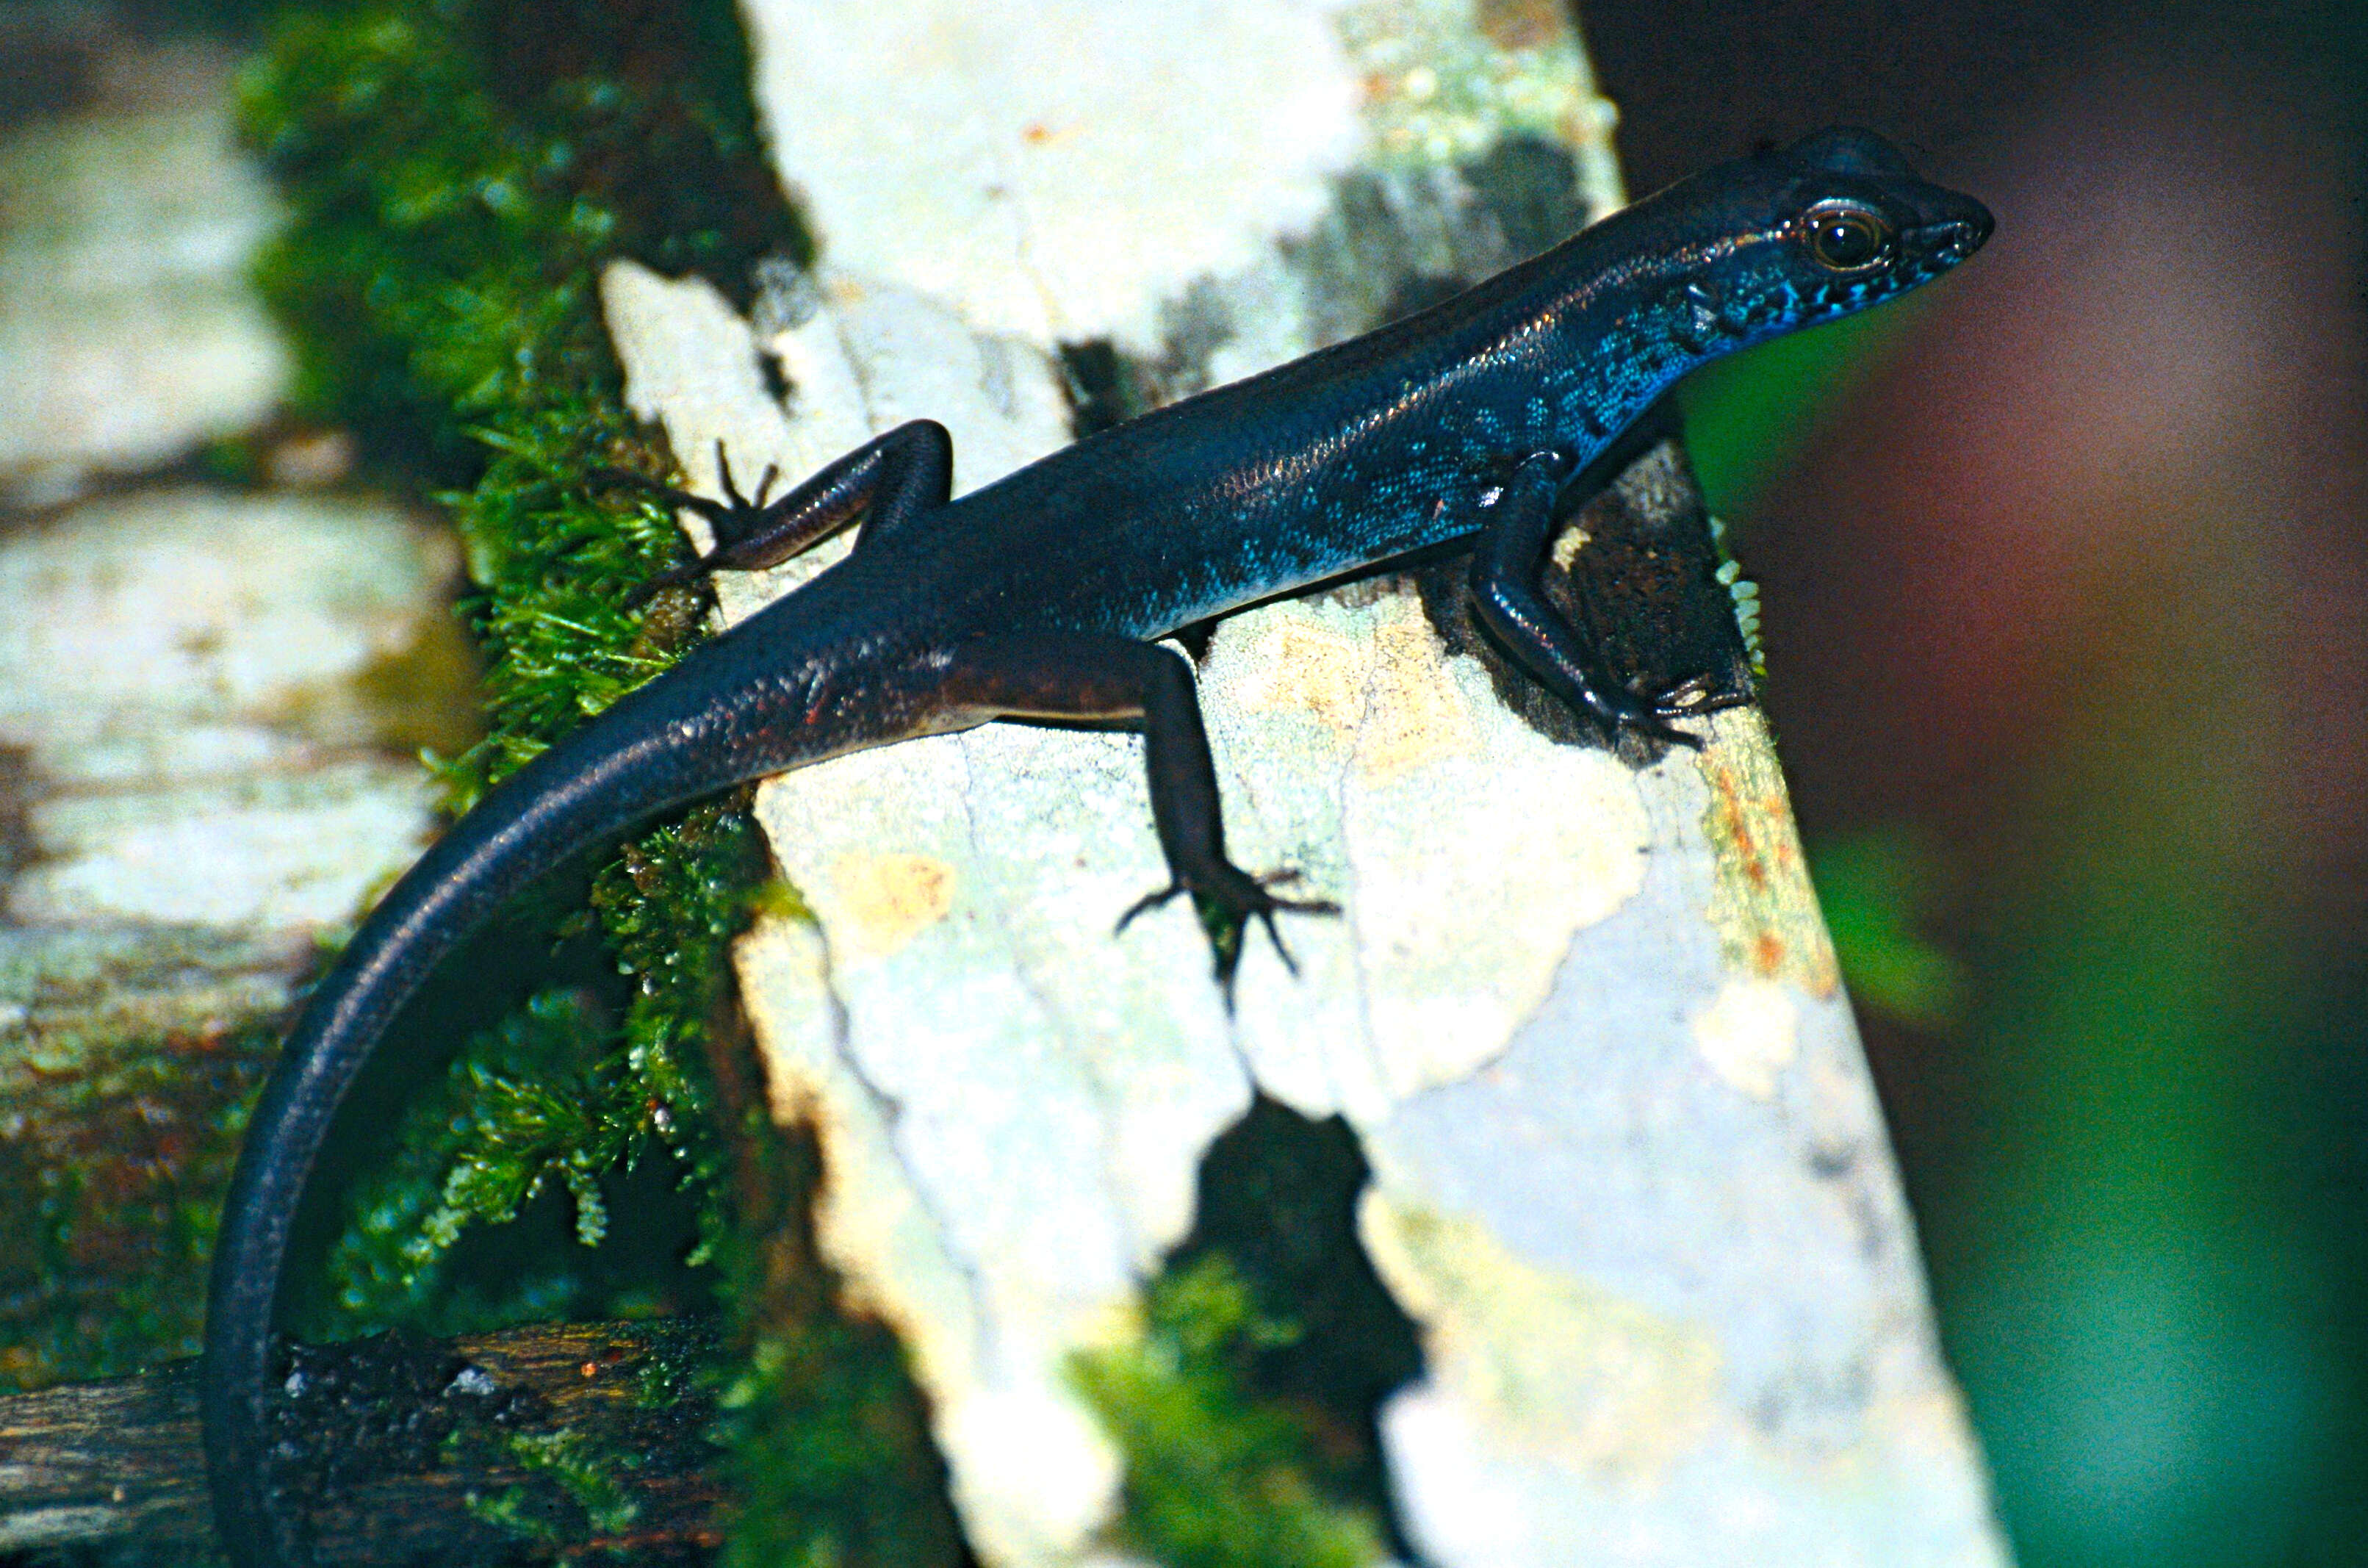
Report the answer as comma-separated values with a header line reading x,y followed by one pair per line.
x,y
2064,569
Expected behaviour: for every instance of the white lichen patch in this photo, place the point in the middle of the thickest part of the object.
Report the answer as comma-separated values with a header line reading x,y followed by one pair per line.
x,y
1559,1422
1041,1092
1749,1034
890,899
127,331
1045,167
1608,1162
1466,848
187,674
1542,1363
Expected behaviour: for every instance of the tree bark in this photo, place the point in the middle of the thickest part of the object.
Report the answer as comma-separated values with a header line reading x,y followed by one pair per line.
x,y
1627,1171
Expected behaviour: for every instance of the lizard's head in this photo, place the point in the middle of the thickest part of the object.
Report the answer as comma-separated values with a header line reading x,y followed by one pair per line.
x,y
1831,224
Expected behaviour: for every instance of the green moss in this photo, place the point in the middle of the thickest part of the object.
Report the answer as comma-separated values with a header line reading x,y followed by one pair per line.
x,y
522,1106
1217,1476
1246,1411
572,1462
458,172
568,1093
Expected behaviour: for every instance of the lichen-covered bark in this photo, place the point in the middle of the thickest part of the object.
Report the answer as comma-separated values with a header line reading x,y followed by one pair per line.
x,y
1626,1171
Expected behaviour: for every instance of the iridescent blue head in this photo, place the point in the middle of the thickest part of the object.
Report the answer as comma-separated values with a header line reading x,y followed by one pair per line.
x,y
1831,224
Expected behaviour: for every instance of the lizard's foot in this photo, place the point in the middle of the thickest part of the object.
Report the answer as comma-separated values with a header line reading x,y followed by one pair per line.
x,y
1229,899
736,521
1647,713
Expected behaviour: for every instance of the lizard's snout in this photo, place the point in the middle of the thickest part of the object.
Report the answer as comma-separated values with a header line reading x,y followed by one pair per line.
x,y
1954,233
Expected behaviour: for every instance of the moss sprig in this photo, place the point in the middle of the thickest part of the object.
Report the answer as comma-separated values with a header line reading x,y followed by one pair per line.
x,y
1217,1476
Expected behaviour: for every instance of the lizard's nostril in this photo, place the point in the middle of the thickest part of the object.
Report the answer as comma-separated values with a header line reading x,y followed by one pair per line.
x,y
1952,240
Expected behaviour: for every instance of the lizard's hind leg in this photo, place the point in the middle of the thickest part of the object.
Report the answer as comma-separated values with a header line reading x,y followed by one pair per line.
x,y
1092,676
888,481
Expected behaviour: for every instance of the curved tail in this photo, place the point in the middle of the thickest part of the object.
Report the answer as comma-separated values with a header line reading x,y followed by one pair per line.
x,y
737,707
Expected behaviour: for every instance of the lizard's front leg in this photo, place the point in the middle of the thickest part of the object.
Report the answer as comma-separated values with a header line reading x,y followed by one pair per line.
x,y
1506,565
889,481
1090,675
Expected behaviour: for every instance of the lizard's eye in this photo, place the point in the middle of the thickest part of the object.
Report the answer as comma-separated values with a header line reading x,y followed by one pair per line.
x,y
1844,236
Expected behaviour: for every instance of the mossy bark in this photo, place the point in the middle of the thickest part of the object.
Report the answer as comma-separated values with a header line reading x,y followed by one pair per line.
x,y
453,175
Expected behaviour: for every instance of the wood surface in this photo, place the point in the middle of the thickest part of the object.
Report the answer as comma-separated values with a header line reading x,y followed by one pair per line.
x,y
414,1451
1629,1175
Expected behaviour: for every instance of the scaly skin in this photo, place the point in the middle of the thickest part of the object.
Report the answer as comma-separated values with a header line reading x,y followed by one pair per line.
x,y
1040,597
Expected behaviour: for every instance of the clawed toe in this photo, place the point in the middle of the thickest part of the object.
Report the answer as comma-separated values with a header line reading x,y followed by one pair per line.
x,y
1636,718
1264,914
744,503
715,512
1147,903
1684,699
1668,734
1229,901
735,520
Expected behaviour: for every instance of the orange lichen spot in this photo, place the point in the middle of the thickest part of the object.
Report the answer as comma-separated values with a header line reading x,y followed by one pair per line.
x,y
1735,819
891,899
1765,909
1522,24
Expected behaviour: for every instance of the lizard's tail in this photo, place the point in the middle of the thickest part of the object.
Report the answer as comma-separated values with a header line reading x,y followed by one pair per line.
x,y
739,707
